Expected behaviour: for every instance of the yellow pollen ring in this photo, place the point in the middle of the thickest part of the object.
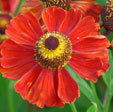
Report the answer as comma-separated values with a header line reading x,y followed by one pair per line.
x,y
56,58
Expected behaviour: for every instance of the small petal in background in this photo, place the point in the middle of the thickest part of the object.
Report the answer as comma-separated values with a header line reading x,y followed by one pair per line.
x,y
87,7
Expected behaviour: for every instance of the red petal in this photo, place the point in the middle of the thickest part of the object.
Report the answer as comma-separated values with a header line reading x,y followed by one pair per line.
x,y
91,44
53,18
24,85
86,27
103,55
87,8
31,3
68,89
5,5
16,59
87,68
70,21
13,54
22,30
13,5
59,102
18,71
34,6
43,92
35,24
94,47
11,49
11,62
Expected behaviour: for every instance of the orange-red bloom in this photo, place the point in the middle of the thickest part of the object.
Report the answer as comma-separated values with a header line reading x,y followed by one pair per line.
x,y
87,7
37,59
6,13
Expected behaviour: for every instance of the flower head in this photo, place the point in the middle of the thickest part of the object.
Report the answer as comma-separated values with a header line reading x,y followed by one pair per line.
x,y
87,7
107,15
8,8
37,59
4,21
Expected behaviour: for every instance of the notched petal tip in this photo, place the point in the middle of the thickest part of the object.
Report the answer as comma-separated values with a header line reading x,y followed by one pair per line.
x,y
68,89
53,18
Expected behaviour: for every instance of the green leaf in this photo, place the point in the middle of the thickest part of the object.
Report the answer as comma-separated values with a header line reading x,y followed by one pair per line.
x,y
102,2
19,7
92,108
3,94
84,87
108,76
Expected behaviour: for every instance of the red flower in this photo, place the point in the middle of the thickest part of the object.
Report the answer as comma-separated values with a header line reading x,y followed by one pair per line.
x,y
9,5
8,8
37,60
87,7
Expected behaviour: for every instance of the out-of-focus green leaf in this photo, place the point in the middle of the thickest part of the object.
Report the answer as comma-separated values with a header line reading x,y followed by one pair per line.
x,y
108,76
34,108
92,108
19,7
84,87
102,2
3,94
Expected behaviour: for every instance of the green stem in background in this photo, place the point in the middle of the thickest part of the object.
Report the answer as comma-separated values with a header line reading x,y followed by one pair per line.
x,y
96,97
10,103
73,108
9,97
108,101
19,7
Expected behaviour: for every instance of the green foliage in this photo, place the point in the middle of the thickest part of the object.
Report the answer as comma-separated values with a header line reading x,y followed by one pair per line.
x,y
102,2
108,76
92,108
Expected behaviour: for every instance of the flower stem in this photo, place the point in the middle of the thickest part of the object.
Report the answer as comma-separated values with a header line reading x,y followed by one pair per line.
x,y
10,103
9,97
108,101
73,108
19,7
96,97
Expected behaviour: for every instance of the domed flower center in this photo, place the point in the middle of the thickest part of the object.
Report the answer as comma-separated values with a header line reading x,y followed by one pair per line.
x,y
58,3
4,21
107,15
53,50
51,43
